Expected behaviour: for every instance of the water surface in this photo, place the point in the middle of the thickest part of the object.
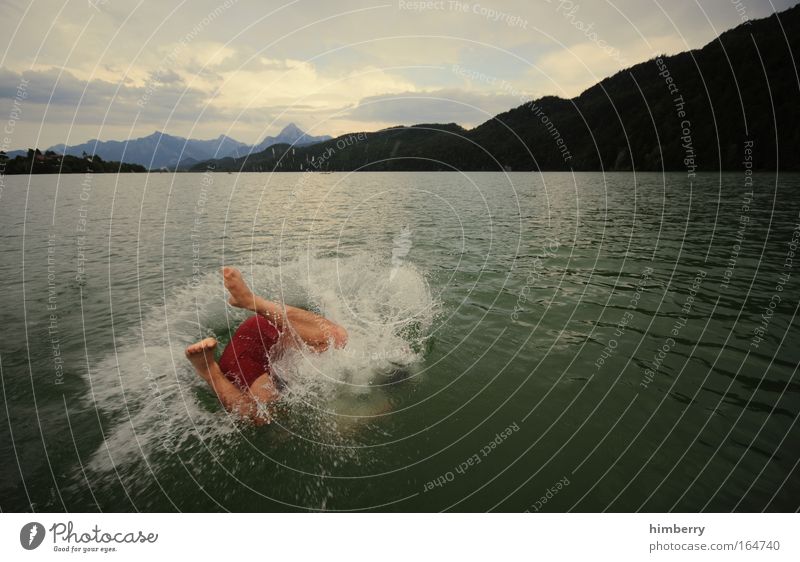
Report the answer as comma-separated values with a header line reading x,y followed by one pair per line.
x,y
614,342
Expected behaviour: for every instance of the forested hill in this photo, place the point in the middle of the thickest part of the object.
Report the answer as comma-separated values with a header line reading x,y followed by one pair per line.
x,y
49,162
691,111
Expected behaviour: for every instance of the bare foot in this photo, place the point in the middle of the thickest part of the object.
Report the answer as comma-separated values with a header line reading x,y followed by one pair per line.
x,y
241,295
201,355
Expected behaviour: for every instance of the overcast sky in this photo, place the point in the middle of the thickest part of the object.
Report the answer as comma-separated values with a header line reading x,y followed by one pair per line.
x,y
114,69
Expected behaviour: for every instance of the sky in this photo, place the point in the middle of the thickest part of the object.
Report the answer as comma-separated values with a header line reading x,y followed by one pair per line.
x,y
113,69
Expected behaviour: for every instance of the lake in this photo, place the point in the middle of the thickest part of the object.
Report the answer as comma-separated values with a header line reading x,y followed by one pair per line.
x,y
544,342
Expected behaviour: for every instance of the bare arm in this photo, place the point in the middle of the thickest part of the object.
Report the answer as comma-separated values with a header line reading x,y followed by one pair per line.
x,y
251,404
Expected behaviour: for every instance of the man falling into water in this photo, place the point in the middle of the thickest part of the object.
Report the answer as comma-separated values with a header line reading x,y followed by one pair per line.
x,y
242,379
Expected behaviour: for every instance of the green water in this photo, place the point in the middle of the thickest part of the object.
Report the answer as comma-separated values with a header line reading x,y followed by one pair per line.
x,y
612,342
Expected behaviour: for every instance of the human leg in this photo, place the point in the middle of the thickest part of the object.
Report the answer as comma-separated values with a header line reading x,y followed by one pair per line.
x,y
312,329
249,403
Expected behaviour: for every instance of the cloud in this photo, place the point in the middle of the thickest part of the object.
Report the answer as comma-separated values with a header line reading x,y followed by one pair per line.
x,y
437,106
570,71
166,77
60,97
337,64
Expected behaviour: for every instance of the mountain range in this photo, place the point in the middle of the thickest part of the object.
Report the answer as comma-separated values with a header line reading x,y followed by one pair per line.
x,y
730,105
160,150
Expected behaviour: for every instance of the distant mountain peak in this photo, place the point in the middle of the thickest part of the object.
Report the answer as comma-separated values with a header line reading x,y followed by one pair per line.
x,y
290,134
291,129
159,149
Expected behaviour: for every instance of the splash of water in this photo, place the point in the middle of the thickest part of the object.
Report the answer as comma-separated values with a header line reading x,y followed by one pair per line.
x,y
158,404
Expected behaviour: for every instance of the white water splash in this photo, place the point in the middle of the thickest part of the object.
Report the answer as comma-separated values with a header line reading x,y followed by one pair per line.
x,y
401,246
158,403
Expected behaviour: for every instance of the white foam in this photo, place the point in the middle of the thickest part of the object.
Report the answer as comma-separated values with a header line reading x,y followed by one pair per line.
x,y
158,403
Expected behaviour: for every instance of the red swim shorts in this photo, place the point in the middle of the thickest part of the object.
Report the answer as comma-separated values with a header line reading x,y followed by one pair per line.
x,y
246,357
